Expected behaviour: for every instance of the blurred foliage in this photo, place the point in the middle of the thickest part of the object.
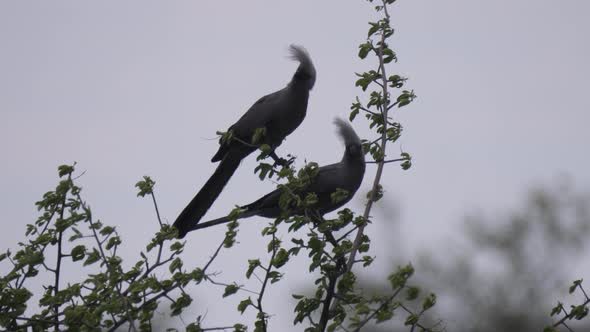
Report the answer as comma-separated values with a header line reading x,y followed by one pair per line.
x,y
515,266
506,272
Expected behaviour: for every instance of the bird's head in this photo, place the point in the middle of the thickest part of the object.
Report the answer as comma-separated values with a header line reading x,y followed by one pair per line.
x,y
354,148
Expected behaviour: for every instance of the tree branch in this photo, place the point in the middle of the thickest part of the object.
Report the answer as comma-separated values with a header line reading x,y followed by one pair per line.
x,y
59,256
386,161
379,172
383,305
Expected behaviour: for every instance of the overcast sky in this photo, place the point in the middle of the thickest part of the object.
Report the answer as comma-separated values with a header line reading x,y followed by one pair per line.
x,y
129,88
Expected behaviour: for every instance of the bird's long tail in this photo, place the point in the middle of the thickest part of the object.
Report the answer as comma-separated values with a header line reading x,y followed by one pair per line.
x,y
223,220
194,211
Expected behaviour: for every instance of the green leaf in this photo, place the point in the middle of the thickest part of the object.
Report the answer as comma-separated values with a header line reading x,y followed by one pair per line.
x,y
244,305
429,302
405,98
367,260
412,319
145,186
579,312
252,265
240,328
353,114
396,81
183,301
226,137
64,170
93,257
231,289
406,165
177,247
389,55
175,265
113,242
346,283
364,49
281,258
258,136
355,109
197,275
339,195
378,194
192,327
310,200
374,28
557,309
399,278
78,253
265,170
412,293
383,315
77,234
575,285
107,230
265,148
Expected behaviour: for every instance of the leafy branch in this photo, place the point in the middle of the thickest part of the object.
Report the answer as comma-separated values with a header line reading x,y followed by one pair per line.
x,y
576,312
109,296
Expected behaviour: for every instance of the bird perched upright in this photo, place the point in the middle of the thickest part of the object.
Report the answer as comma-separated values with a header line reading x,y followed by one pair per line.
x,y
345,175
279,113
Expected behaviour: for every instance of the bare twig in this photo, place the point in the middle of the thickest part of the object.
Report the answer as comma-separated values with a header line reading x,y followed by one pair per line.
x,y
386,161
208,277
156,207
213,257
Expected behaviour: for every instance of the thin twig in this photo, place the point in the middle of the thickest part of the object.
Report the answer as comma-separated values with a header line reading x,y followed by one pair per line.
x,y
156,207
359,235
265,282
569,315
386,161
383,305
214,256
584,292
225,285
347,234
424,328
369,111
59,257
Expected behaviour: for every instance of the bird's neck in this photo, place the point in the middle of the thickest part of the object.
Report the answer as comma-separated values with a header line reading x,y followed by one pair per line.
x,y
353,162
301,82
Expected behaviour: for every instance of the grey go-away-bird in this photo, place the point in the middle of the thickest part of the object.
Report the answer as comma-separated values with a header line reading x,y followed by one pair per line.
x,y
279,113
346,175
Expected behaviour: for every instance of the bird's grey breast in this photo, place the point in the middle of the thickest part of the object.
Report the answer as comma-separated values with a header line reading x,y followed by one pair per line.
x,y
290,113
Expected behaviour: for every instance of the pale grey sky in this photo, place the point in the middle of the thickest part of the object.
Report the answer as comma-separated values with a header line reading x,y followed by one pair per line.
x,y
140,87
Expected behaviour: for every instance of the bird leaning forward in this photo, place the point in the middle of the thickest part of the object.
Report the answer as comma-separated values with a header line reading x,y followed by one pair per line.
x,y
278,114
